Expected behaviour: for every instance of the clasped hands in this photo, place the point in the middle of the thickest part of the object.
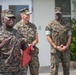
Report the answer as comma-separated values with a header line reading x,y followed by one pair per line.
x,y
61,48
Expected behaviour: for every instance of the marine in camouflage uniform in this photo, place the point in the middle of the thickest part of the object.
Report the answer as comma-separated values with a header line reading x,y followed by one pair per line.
x,y
58,34
10,46
30,35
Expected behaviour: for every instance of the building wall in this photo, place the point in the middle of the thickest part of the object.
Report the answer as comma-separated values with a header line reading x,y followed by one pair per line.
x,y
43,12
5,4
73,8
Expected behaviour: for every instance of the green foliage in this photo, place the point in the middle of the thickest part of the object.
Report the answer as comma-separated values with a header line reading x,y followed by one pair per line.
x,y
73,43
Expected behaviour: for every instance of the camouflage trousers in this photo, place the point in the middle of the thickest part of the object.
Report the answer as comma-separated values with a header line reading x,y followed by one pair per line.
x,y
55,59
13,73
33,65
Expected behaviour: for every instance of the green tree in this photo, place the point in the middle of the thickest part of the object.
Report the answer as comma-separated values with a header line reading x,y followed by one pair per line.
x,y
73,43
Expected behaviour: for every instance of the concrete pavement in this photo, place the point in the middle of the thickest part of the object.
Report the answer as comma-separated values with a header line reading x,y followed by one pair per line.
x,y
46,70
60,73
72,72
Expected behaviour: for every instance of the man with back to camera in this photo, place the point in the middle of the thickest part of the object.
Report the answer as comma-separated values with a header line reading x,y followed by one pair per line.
x,y
58,34
30,35
11,44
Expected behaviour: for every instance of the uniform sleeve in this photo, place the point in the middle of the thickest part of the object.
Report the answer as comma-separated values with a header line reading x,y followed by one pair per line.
x,y
35,28
16,26
69,32
19,35
69,29
48,29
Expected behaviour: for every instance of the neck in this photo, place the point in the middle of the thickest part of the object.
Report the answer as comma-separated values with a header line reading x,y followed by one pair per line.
x,y
58,20
6,28
24,22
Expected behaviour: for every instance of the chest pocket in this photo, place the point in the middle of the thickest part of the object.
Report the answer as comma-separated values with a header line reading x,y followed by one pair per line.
x,y
59,29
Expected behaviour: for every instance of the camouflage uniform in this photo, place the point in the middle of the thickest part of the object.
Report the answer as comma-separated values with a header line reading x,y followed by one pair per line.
x,y
11,54
29,32
59,35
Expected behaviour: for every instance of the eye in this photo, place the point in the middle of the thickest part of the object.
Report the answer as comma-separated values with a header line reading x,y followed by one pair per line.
x,y
11,18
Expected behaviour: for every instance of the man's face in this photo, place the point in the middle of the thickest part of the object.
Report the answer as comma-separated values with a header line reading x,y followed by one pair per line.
x,y
58,16
26,17
9,21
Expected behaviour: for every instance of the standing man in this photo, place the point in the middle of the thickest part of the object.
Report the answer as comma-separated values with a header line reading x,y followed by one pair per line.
x,y
30,35
11,44
58,34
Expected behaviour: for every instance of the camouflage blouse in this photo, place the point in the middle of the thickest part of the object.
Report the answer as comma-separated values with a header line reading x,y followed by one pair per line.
x,y
28,31
59,32
10,55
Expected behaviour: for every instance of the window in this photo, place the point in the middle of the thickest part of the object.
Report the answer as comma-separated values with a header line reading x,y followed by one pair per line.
x,y
65,6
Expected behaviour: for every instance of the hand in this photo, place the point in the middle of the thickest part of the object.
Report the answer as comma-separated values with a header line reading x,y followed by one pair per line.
x,y
6,41
31,47
64,48
61,45
59,48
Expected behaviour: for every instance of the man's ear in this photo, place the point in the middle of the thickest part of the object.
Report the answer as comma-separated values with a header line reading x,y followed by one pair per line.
x,y
3,20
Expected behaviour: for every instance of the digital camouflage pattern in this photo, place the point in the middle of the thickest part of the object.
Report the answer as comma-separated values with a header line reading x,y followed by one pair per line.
x,y
10,55
8,13
59,35
59,32
58,10
28,32
12,73
25,11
